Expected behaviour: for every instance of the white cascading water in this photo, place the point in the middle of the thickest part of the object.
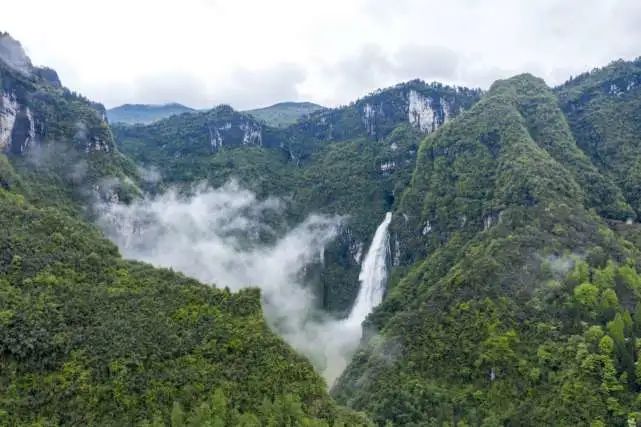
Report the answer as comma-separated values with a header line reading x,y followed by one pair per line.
x,y
345,335
373,274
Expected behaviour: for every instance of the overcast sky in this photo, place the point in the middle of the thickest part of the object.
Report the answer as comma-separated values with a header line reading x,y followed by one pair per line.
x,y
251,53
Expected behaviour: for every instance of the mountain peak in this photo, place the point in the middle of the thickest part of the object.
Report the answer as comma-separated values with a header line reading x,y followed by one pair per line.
x,y
283,114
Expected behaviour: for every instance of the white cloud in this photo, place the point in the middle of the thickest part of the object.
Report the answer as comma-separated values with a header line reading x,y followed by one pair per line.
x,y
252,52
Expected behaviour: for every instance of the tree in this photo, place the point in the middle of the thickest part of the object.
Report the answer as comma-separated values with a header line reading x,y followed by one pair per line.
x,y
177,415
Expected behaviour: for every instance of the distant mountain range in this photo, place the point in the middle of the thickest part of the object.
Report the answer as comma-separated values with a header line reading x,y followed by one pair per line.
x,y
278,115
284,113
145,113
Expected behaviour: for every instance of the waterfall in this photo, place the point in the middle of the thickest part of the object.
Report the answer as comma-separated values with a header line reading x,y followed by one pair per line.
x,y
344,336
373,274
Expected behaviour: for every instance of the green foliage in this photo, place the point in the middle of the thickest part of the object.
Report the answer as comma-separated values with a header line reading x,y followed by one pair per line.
x,y
603,108
514,308
87,338
284,411
517,300
587,295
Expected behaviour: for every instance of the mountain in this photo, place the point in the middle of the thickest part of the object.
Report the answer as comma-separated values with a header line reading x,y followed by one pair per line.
x,y
604,111
57,140
281,114
284,114
88,338
517,297
352,161
510,245
145,113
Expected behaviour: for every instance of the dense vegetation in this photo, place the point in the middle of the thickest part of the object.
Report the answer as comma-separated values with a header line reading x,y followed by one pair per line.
x,y
515,296
603,108
517,302
87,338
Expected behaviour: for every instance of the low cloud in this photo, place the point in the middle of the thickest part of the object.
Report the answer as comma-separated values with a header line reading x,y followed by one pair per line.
x,y
219,237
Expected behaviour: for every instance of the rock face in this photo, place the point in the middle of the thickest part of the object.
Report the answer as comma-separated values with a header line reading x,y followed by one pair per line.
x,y
424,112
73,140
24,132
8,112
252,133
229,128
237,131
425,106
427,114
17,128
370,113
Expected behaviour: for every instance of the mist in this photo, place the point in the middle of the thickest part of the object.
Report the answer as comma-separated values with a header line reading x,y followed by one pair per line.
x,y
228,238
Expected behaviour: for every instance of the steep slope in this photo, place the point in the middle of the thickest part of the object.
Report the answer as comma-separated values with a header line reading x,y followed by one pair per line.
x,y
87,338
57,140
512,301
603,108
145,113
350,161
284,114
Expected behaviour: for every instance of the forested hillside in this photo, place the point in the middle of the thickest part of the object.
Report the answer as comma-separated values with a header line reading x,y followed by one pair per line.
x,y
514,257
516,302
603,108
57,140
87,338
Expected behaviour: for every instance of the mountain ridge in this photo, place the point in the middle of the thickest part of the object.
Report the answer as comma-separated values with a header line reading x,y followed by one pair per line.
x,y
145,113
497,241
514,295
